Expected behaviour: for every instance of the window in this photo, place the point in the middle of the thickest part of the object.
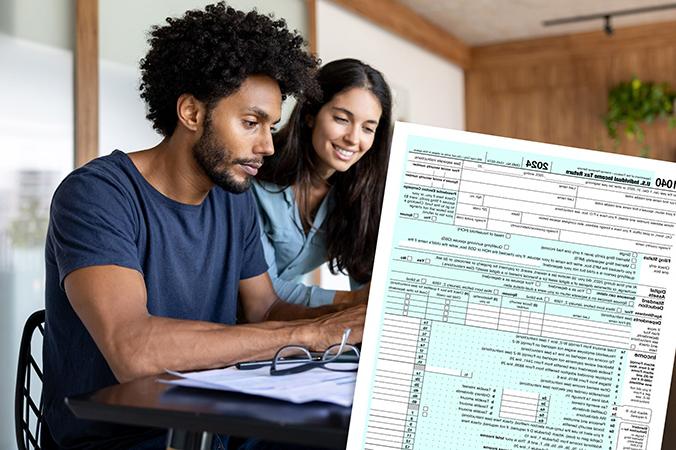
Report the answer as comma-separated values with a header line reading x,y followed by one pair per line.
x,y
36,147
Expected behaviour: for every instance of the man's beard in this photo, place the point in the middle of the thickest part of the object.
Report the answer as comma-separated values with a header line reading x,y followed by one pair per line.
x,y
211,154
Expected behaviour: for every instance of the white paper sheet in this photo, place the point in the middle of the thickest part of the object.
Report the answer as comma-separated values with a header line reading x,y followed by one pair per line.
x,y
522,298
313,385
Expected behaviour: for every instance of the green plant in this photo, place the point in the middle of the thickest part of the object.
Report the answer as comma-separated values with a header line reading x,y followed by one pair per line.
x,y
632,103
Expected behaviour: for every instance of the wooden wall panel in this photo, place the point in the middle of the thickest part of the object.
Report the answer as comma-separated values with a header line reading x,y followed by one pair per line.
x,y
311,11
86,81
555,89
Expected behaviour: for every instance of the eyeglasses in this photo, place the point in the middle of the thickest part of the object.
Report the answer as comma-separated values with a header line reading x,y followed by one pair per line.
x,y
341,357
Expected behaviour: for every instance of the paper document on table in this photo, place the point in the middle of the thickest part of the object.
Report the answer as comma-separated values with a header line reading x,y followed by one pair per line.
x,y
312,385
522,298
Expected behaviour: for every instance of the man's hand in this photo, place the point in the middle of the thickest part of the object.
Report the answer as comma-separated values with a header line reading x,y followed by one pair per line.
x,y
316,328
327,330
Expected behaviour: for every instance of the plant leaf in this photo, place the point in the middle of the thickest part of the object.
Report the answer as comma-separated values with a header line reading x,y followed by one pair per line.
x,y
632,103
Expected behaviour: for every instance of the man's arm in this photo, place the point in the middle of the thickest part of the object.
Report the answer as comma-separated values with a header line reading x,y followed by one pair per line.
x,y
260,303
111,302
360,295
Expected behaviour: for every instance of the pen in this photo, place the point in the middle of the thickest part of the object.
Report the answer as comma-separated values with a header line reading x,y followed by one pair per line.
x,y
251,365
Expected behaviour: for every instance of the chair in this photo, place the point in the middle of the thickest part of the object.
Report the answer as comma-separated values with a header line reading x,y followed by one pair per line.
x,y
31,431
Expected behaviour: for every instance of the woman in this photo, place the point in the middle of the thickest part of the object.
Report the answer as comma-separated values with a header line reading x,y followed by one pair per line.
x,y
320,195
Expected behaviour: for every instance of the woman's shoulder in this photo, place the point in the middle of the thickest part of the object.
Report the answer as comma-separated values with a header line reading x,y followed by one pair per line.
x,y
265,188
270,194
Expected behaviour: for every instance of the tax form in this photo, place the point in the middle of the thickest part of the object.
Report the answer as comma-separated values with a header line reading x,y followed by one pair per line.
x,y
522,298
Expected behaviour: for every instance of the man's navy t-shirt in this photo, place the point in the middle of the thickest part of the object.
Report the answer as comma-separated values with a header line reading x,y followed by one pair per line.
x,y
192,258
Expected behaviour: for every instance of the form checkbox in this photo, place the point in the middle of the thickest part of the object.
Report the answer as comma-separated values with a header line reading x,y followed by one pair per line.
x,y
537,283
633,260
588,291
633,266
423,280
506,247
495,291
427,260
619,309
408,258
415,215
508,236
631,303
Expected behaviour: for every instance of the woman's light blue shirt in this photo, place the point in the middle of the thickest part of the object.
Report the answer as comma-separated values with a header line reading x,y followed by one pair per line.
x,y
289,252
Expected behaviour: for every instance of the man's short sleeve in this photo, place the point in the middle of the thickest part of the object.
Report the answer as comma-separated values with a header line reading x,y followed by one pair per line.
x,y
253,258
92,222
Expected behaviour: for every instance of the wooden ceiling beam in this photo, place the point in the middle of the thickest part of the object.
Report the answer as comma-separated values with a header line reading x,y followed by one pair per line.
x,y
405,22
579,45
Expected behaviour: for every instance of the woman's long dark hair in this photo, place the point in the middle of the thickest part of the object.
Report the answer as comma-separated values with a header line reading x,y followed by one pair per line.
x,y
352,225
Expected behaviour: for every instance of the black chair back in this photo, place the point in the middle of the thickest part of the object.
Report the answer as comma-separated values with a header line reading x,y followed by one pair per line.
x,y
31,431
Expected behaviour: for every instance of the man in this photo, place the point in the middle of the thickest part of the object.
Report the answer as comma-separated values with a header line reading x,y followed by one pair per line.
x,y
147,253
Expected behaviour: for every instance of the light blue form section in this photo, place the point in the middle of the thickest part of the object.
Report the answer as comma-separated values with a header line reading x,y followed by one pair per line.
x,y
529,334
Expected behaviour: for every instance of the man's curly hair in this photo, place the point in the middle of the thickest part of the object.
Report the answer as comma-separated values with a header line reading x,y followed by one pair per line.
x,y
209,53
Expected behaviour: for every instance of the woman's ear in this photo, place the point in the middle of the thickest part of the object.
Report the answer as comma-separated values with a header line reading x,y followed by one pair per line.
x,y
190,112
310,121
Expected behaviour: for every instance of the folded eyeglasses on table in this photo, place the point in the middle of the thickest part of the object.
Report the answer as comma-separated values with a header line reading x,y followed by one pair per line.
x,y
342,357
